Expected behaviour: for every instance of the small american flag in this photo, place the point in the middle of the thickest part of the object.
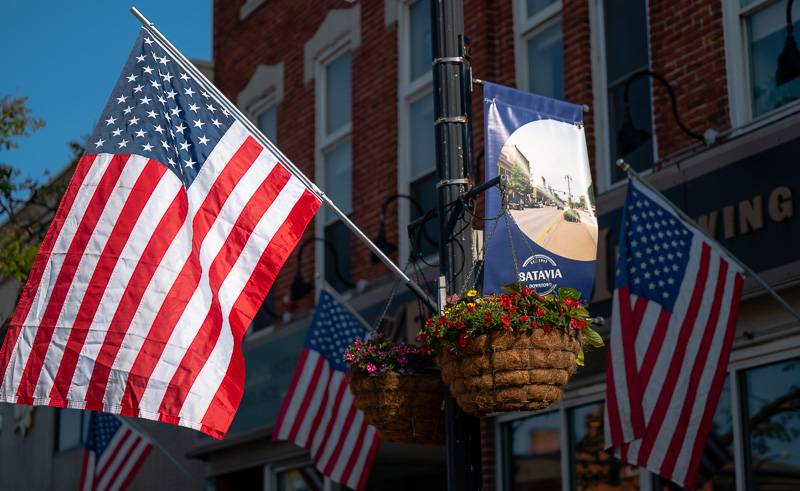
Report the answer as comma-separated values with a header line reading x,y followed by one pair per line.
x,y
318,411
164,246
113,454
675,306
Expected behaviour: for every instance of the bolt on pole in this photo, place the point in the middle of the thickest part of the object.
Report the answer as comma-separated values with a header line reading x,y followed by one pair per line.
x,y
452,127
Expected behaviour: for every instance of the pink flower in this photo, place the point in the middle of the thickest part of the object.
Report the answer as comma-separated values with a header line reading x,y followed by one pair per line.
x,y
371,368
349,357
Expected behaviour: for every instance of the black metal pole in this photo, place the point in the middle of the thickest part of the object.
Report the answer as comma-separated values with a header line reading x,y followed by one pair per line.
x,y
451,96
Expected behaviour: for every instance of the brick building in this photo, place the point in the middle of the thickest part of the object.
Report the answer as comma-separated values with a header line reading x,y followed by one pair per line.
x,y
345,90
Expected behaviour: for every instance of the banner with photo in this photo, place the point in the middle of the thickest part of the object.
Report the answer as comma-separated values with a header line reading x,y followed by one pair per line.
x,y
547,237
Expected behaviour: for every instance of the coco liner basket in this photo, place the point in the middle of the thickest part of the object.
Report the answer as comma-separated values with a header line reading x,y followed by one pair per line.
x,y
405,408
510,371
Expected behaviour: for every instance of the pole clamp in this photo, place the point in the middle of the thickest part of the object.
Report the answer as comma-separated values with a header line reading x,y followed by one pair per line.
x,y
450,119
463,181
449,59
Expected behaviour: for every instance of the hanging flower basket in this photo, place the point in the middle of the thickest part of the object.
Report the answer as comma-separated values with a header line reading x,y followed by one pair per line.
x,y
396,390
509,352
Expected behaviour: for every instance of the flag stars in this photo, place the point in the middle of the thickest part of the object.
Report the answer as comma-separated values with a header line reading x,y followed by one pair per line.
x,y
189,92
148,70
140,133
144,100
99,143
189,163
194,108
116,132
152,114
138,88
184,77
127,110
216,123
111,120
175,111
171,94
121,99
203,140
123,143
148,41
184,145
140,59
211,108
198,124
167,77
147,147
134,120
155,84
159,129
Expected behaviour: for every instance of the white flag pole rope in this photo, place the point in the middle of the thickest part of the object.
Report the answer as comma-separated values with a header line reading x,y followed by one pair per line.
x,y
231,107
749,271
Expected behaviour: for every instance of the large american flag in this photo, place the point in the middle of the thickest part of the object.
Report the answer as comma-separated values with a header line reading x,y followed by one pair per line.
x,y
318,411
675,306
113,453
163,248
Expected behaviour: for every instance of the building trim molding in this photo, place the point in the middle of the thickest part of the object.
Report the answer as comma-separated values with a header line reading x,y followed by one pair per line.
x,y
339,25
266,84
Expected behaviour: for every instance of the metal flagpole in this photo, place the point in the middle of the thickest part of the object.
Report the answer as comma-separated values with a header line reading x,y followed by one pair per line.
x,y
635,175
228,105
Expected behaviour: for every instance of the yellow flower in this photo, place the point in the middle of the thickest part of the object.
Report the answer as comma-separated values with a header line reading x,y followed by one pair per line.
x,y
472,293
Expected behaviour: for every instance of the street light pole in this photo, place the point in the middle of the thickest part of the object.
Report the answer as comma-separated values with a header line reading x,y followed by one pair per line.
x,y
452,102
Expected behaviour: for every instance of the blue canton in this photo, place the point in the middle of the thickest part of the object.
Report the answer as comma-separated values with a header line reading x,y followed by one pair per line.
x,y
653,251
159,111
102,429
332,330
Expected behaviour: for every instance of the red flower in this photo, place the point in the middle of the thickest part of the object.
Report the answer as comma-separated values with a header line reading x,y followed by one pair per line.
x,y
569,302
470,307
577,324
539,312
487,317
547,328
524,318
535,325
462,340
506,322
526,291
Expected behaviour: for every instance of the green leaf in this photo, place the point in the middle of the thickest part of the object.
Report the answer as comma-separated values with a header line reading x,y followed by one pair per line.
x,y
579,359
512,287
593,337
564,293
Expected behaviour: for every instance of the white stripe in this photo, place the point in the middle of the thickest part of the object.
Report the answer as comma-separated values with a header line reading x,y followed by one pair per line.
x,y
88,473
24,342
197,309
337,429
157,205
351,443
645,333
337,379
298,393
671,338
142,321
127,465
111,464
321,385
216,367
83,274
663,438
706,378
618,372
361,462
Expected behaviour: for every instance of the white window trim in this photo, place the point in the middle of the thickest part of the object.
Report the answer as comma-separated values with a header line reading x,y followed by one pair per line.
x,y
737,65
263,90
604,162
248,7
408,92
322,143
524,29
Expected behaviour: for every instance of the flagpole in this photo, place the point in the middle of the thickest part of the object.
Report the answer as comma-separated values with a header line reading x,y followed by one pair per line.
x,y
635,175
222,100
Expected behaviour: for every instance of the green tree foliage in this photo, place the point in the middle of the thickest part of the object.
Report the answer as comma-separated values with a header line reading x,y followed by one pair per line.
x,y
519,181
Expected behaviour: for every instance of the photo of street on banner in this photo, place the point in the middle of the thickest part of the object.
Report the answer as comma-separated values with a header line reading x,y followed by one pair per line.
x,y
547,236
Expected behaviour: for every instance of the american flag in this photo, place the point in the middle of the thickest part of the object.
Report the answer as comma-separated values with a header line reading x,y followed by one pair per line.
x,y
675,305
112,455
318,411
164,246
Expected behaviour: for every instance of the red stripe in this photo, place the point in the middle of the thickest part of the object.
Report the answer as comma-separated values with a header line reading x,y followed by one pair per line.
x,y
310,388
668,386
654,348
125,459
638,314
327,431
699,365
320,412
347,427
287,400
196,356
42,258
153,253
628,331
360,443
373,452
716,386
135,469
222,408
186,283
72,259
120,443
85,476
140,194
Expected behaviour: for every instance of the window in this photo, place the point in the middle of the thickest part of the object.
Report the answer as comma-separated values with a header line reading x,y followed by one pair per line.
x,y
267,122
622,38
533,450
335,163
73,428
417,157
306,478
755,36
540,47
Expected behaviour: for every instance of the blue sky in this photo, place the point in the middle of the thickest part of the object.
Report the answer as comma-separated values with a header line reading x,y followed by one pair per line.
x,y
66,55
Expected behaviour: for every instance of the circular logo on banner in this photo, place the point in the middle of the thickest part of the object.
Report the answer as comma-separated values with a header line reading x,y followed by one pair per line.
x,y
541,273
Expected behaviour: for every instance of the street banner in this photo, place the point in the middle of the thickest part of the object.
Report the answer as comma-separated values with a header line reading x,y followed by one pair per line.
x,y
547,237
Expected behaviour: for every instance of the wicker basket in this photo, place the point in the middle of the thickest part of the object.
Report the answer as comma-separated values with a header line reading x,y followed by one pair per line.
x,y
506,371
405,408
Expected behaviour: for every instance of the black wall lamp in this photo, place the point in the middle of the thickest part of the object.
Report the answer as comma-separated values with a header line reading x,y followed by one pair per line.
x,y
300,287
381,240
629,137
789,58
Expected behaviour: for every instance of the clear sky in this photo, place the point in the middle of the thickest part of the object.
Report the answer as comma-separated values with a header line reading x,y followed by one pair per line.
x,y
66,55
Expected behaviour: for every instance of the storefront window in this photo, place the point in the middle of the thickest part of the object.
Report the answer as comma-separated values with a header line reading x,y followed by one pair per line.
x,y
593,469
300,479
771,400
533,453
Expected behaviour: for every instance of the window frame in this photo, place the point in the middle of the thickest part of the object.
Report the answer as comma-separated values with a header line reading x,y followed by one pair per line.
x,y
604,161
408,92
324,142
525,28
737,66
83,432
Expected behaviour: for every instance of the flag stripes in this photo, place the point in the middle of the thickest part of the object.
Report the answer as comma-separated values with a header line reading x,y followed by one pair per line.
x,y
113,455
